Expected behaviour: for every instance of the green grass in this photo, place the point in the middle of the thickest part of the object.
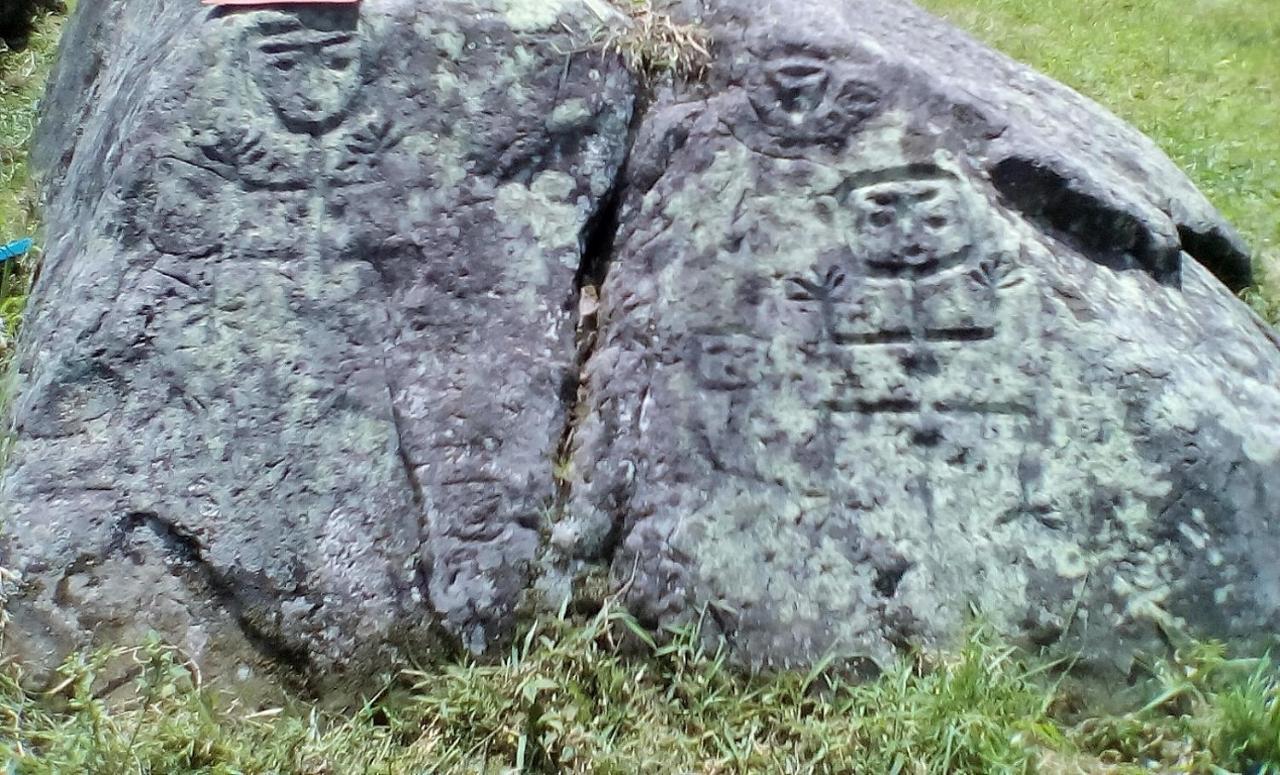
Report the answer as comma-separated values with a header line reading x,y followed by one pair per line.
x,y
22,76
1201,77
567,699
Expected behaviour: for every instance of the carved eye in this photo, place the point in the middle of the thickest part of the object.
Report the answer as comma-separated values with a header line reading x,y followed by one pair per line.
x,y
800,74
726,362
858,99
881,218
339,62
801,86
272,47
936,221
800,290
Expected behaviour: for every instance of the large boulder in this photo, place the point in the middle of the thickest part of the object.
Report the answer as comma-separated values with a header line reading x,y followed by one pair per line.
x,y
293,375
891,329
896,329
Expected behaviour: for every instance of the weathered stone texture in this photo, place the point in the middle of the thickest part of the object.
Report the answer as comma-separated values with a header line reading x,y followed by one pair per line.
x,y
892,328
294,370
896,328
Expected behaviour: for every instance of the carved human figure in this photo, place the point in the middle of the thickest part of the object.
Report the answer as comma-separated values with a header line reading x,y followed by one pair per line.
x,y
294,149
913,269
880,376
910,321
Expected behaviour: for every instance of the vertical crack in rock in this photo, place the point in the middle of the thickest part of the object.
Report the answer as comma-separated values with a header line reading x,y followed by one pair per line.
x,y
599,238
421,580
402,451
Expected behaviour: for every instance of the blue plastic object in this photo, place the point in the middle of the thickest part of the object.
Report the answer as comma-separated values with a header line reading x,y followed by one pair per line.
x,y
16,248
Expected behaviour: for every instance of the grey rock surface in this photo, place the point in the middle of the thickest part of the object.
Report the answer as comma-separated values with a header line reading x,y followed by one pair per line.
x,y
291,391
891,328
897,329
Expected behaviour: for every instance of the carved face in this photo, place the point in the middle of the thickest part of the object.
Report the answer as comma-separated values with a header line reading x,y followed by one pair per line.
x,y
807,98
307,66
911,228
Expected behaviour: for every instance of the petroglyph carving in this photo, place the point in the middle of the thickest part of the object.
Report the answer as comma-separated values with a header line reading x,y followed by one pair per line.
x,y
912,276
871,351
299,246
911,227
859,392
728,361
800,86
182,225
292,141
807,98
318,53
873,355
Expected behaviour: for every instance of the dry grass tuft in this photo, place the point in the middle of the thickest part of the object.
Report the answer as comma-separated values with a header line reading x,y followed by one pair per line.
x,y
654,43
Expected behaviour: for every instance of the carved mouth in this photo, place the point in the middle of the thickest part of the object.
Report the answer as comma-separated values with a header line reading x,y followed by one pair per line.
x,y
305,41
879,406
954,335
901,266
898,336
